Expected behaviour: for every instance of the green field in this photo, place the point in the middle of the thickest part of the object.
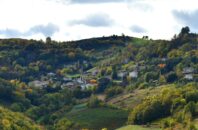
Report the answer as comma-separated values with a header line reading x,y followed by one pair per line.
x,y
97,118
136,127
140,41
73,76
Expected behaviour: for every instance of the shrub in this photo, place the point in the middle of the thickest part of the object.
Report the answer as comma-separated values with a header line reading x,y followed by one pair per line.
x,y
17,107
171,77
110,92
64,124
191,96
93,102
150,76
143,85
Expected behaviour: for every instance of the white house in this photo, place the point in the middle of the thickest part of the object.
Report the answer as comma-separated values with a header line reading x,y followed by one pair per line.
x,y
189,76
67,79
122,74
188,73
188,70
51,74
80,80
38,84
133,74
164,59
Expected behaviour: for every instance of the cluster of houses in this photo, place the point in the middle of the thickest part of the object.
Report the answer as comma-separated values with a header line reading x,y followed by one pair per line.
x,y
79,82
88,78
188,72
134,73
65,82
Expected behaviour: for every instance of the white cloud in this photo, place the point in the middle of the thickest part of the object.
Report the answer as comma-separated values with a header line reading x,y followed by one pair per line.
x,y
154,16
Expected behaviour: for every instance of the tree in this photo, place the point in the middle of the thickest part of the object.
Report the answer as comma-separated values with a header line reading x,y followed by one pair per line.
x,y
48,40
147,111
114,74
103,83
185,30
151,76
112,91
6,90
190,107
64,124
15,121
17,107
189,111
93,102
171,77
191,96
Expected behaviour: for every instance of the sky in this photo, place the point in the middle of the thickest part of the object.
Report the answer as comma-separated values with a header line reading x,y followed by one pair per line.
x,y
64,20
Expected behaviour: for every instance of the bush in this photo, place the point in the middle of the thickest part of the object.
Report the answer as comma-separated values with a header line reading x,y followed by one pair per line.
x,y
147,112
34,112
190,108
17,107
143,85
15,121
171,77
151,76
64,124
93,102
153,107
6,90
103,83
110,92
191,96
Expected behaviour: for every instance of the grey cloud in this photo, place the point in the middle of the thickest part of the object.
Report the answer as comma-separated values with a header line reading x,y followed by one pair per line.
x,y
61,1
95,20
95,1
188,18
46,30
10,32
138,29
87,1
142,5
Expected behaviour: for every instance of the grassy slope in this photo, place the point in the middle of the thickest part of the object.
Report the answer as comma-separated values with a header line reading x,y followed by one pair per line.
x,y
134,98
136,127
98,118
140,41
131,100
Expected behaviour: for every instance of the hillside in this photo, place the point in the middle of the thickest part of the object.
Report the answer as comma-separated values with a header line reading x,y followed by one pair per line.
x,y
15,121
101,83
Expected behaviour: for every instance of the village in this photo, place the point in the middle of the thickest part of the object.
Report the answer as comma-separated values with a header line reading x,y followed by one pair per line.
x,y
90,78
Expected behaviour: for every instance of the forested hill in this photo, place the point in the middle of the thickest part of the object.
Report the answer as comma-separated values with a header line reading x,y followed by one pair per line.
x,y
30,57
23,59
63,85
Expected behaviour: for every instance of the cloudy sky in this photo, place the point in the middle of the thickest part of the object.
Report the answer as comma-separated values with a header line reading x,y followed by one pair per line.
x,y
79,19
